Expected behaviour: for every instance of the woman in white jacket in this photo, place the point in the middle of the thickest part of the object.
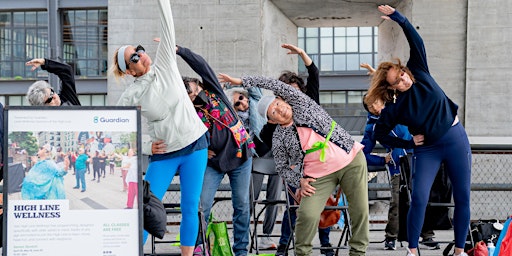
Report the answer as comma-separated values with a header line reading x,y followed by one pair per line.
x,y
178,137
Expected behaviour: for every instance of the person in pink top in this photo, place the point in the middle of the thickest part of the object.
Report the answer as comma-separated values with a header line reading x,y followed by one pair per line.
x,y
130,163
313,153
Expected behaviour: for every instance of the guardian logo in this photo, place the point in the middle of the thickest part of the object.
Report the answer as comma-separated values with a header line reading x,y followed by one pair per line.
x,y
110,120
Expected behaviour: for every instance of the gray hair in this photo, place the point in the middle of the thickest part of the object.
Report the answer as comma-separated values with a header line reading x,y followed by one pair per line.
x,y
36,93
230,92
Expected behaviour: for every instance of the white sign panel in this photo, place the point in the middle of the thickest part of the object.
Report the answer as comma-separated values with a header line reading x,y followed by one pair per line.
x,y
71,185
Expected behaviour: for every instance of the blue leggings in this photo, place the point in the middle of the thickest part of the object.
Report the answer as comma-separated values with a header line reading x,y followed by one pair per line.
x,y
454,151
192,168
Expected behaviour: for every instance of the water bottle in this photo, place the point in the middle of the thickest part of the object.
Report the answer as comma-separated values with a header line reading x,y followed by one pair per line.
x,y
490,248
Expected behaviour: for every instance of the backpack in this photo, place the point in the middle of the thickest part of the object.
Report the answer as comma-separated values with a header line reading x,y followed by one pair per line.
x,y
504,244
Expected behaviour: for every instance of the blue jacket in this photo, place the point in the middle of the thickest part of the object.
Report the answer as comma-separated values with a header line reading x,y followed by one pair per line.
x,y
255,119
369,141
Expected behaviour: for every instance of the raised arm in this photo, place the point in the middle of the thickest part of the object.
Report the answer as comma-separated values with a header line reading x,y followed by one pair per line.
x,y
313,80
289,94
418,55
165,61
64,72
296,50
200,66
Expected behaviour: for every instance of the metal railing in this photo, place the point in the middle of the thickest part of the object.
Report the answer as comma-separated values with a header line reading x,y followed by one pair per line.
x,y
491,183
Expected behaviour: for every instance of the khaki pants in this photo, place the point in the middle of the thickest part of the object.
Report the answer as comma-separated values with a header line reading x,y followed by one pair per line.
x,y
354,182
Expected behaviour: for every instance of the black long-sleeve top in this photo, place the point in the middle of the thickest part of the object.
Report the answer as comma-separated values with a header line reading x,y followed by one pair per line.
x,y
222,140
64,71
424,108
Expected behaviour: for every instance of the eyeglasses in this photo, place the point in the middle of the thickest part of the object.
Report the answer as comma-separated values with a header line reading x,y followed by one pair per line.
x,y
240,98
50,97
134,58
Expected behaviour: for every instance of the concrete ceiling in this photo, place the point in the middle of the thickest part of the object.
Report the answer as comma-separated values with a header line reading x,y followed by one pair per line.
x,y
332,13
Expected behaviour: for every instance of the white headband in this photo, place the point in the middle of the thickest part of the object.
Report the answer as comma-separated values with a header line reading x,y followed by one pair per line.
x,y
120,58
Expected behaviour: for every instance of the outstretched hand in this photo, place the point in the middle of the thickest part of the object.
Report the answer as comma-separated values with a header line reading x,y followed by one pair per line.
x,y
371,70
299,51
292,49
35,63
224,78
387,10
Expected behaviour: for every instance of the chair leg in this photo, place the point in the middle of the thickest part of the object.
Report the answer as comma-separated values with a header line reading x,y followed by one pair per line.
x,y
202,232
153,249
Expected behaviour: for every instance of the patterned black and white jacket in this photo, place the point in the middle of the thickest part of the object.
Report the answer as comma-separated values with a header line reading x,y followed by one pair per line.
x,y
286,145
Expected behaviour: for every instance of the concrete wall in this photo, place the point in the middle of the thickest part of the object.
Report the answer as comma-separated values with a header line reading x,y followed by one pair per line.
x,y
468,50
240,37
443,32
489,62
277,29
129,25
235,37
467,44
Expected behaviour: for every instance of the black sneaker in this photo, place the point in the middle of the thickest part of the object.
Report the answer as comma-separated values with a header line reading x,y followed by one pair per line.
x,y
431,244
327,252
281,250
389,244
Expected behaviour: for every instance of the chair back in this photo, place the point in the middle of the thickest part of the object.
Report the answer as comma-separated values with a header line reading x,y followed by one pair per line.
x,y
264,165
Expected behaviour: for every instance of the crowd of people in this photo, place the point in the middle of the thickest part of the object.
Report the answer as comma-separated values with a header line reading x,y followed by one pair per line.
x,y
44,179
204,132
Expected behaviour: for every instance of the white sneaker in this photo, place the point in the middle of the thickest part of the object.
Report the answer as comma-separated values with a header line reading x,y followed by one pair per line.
x,y
409,253
461,254
266,243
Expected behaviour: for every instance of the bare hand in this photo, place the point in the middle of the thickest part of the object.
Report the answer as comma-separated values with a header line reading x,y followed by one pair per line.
x,y
158,147
305,188
418,139
298,196
387,10
292,49
371,70
211,154
224,78
387,158
35,63
296,50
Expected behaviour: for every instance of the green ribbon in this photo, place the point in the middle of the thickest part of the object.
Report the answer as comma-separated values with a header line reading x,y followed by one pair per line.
x,y
322,145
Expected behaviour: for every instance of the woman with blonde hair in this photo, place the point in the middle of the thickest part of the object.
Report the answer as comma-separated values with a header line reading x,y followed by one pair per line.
x,y
178,137
417,101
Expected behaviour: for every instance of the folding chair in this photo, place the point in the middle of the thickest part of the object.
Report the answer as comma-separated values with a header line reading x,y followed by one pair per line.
x,y
174,209
262,166
346,233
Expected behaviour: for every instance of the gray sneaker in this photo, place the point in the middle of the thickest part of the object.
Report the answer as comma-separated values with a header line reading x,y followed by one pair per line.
x,y
389,244
431,244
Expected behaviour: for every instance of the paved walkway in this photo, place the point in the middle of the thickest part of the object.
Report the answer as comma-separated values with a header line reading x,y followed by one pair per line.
x,y
376,247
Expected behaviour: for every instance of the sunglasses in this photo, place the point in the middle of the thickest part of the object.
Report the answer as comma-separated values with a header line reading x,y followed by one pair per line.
x,y
240,98
50,97
134,58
